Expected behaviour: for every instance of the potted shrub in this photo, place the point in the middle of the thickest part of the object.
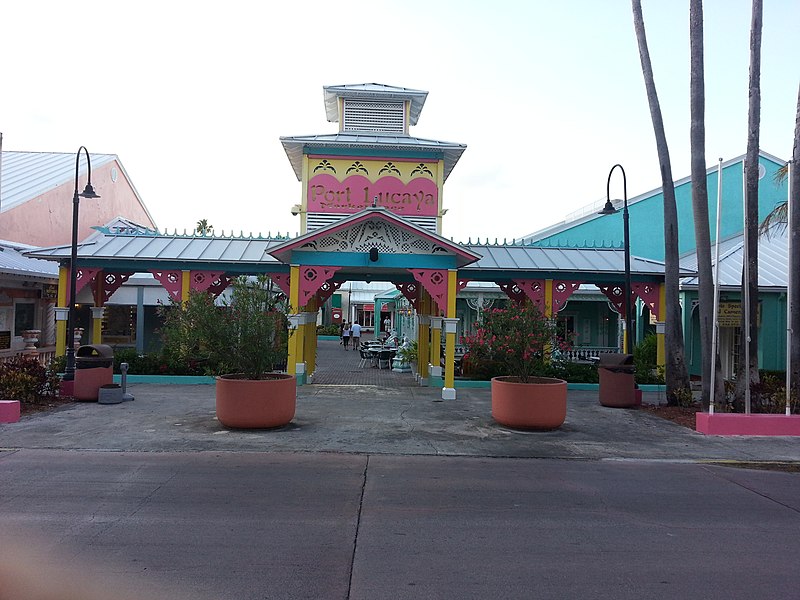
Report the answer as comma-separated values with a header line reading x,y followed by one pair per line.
x,y
243,342
516,342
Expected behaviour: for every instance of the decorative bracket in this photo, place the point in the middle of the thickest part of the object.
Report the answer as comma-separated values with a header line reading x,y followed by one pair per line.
x,y
411,292
435,283
649,293
327,290
106,285
171,280
312,279
562,290
85,275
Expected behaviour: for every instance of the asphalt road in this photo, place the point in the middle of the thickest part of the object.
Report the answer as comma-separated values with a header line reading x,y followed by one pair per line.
x,y
244,525
374,494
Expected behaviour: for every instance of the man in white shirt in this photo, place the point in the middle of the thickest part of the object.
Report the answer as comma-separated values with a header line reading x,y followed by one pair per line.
x,y
355,334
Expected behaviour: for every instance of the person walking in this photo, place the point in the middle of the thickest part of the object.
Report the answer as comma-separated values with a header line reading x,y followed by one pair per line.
x,y
355,334
346,335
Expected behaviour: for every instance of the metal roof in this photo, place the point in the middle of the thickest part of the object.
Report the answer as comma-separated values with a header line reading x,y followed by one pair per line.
x,y
575,260
372,91
295,146
154,250
773,261
26,175
13,262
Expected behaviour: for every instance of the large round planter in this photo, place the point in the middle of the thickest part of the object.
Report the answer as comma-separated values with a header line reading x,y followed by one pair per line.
x,y
256,403
539,404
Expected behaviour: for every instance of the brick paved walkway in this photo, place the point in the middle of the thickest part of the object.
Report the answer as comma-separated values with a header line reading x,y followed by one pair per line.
x,y
335,366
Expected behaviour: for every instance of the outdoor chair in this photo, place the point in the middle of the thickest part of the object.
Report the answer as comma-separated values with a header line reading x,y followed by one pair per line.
x,y
385,357
365,357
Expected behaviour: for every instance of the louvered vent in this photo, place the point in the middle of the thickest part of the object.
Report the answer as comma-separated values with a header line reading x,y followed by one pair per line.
x,y
360,115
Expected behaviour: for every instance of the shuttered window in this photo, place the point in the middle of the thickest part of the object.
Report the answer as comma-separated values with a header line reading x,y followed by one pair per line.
x,y
360,115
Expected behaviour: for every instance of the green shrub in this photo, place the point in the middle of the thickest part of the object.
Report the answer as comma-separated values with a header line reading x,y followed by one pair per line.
x,y
333,329
645,357
23,378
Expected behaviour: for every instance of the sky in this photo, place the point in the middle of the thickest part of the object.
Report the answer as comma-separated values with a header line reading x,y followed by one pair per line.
x,y
548,96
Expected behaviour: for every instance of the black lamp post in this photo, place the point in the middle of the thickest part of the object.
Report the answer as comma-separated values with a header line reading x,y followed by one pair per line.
x,y
88,192
609,209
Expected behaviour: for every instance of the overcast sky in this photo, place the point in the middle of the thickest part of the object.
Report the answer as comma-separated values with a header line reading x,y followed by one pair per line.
x,y
548,96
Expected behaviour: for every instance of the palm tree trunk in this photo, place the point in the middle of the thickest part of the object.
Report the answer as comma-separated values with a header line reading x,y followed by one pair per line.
x,y
677,375
697,139
748,373
794,259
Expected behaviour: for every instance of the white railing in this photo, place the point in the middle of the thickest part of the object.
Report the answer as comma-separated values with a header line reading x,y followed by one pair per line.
x,y
585,353
45,355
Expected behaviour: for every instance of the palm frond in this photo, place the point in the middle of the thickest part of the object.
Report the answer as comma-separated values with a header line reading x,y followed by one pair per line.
x,y
781,174
776,219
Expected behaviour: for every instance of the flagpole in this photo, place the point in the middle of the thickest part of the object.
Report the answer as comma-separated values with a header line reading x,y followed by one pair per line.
x,y
715,336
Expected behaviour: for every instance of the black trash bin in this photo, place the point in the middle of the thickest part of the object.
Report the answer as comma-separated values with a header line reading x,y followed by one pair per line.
x,y
94,368
617,383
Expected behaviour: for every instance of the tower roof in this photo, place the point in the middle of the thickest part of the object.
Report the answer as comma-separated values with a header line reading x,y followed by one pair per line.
x,y
372,91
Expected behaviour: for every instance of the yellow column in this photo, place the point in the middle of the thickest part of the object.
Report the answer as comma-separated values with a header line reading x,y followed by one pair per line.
x,y
449,390
436,343
661,354
548,312
61,326
97,311
310,336
423,339
186,285
295,335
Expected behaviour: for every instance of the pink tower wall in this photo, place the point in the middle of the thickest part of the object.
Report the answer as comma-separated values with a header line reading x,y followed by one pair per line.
x,y
47,219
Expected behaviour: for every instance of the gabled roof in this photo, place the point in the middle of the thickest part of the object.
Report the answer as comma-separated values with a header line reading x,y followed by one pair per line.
x,y
26,175
590,211
372,91
463,255
296,146
773,261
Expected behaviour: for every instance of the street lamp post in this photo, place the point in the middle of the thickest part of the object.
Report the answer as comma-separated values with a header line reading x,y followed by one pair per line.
x,y
609,209
88,192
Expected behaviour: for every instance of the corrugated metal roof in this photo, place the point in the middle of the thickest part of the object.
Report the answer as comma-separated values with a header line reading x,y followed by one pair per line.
x,y
13,262
26,175
295,145
156,249
773,261
372,91
534,258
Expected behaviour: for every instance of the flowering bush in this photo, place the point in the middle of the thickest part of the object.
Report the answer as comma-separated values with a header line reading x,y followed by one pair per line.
x,y
517,341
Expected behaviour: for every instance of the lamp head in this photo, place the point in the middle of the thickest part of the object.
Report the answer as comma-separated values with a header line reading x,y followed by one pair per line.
x,y
88,192
608,209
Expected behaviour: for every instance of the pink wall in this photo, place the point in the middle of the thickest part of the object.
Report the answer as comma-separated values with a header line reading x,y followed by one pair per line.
x,y
47,219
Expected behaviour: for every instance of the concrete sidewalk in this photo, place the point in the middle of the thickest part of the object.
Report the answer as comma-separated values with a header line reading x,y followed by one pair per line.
x,y
375,420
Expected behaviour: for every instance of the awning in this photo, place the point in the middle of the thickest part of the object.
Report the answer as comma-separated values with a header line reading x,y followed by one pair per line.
x,y
369,307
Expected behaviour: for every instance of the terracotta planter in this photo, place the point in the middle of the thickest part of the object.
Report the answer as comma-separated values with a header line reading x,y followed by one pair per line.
x,y
256,403
539,404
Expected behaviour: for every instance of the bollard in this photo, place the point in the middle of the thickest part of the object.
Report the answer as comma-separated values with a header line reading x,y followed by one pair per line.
x,y
123,367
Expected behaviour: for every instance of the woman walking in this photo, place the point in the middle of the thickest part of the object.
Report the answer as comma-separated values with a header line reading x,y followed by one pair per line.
x,y
346,335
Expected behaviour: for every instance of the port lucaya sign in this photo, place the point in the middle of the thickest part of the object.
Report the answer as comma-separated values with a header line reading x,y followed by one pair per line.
x,y
405,187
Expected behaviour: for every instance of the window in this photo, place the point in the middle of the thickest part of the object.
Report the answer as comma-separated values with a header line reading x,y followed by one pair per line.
x,y
24,317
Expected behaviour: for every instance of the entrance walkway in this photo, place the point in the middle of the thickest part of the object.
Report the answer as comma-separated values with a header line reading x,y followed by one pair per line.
x,y
335,366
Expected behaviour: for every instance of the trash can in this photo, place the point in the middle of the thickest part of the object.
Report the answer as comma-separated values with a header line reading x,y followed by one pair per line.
x,y
94,368
617,384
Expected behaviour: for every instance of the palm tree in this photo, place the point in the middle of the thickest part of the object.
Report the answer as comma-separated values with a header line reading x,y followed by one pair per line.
x,y
677,375
748,372
203,227
702,234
